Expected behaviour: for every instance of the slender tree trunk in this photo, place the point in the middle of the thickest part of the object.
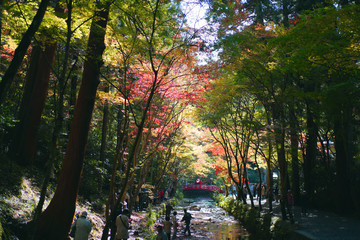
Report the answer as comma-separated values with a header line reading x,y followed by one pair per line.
x,y
270,180
269,165
59,109
344,159
1,17
280,146
122,126
56,220
36,88
294,155
260,181
133,156
104,130
72,100
21,49
311,149
283,171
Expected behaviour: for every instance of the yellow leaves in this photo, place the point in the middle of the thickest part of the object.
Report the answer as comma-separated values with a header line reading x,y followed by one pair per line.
x,y
271,66
110,97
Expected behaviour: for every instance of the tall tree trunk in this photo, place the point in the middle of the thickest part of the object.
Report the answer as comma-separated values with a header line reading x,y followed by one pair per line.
x,y
294,141
280,146
311,149
56,220
21,49
36,88
344,159
269,165
133,156
72,100
270,180
1,17
59,109
49,164
104,130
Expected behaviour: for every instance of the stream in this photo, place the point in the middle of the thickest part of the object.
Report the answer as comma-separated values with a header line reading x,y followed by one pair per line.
x,y
209,221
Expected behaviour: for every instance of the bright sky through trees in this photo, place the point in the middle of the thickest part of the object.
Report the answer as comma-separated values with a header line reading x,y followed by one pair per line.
x,y
195,12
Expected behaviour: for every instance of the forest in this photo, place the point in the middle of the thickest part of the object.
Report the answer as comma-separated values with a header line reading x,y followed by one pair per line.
x,y
101,98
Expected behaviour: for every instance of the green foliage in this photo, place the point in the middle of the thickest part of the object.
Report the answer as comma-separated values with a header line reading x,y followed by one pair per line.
x,y
179,195
93,178
6,118
282,230
150,223
10,176
1,228
259,226
150,217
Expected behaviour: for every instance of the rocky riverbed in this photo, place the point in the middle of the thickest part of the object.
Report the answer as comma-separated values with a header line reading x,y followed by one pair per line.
x,y
208,221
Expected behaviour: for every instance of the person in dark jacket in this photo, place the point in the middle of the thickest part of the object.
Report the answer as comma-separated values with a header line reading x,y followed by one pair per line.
x,y
187,218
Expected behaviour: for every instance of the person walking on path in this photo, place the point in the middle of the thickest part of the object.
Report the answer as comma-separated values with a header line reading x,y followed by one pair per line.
x,y
290,201
263,191
167,226
83,227
254,190
117,212
161,233
258,189
187,218
168,209
123,225
174,224
304,203
276,193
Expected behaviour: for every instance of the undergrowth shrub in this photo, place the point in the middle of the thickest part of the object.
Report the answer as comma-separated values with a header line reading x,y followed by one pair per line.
x,y
281,230
258,225
150,220
11,176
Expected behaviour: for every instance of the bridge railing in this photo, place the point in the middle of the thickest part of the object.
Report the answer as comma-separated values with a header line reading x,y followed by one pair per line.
x,y
202,188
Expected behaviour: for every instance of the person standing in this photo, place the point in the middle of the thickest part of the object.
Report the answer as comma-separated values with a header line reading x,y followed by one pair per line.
x,y
167,226
174,224
137,203
187,218
254,190
263,190
258,189
161,195
117,212
123,225
290,201
276,193
168,209
304,203
166,195
83,227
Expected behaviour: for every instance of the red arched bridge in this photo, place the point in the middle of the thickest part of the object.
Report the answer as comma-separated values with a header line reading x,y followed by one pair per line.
x,y
198,187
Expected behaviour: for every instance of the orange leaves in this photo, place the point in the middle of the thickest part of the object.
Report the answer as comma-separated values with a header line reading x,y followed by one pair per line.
x,y
216,150
295,20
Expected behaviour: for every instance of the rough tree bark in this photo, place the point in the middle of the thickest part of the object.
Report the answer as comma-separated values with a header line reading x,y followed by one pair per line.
x,y
294,139
343,131
23,147
21,49
56,220
311,149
